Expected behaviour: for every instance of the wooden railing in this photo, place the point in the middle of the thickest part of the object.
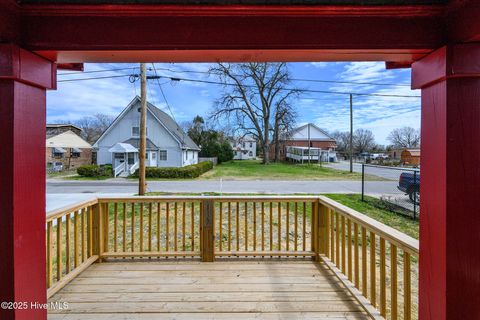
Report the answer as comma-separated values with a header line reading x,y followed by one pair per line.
x,y
71,243
376,263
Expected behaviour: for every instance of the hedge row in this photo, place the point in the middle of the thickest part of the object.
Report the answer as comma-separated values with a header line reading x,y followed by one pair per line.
x,y
95,171
188,172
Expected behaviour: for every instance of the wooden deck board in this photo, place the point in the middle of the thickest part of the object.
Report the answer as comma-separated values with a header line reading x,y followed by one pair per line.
x,y
221,290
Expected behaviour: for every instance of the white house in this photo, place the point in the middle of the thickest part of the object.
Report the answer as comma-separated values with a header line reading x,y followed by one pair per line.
x,y
167,144
244,148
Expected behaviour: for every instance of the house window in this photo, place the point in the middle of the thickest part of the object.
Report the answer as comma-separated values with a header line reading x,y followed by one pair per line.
x,y
58,153
162,155
135,131
251,144
75,154
250,153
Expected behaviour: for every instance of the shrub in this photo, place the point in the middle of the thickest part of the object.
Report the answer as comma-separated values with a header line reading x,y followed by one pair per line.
x,y
188,172
95,171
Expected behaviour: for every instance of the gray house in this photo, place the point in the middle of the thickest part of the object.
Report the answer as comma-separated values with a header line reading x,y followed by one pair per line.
x,y
167,144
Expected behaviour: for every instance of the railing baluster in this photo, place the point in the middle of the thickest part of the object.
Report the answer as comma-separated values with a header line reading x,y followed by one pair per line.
x,y
106,225
246,226
133,227
220,225
343,242
124,225
150,226
49,254
75,239
84,226
295,242
383,279
364,262
193,225
159,227
279,226
229,226
115,221
175,225
167,226
356,256
90,231
140,232
183,226
373,285
254,226
67,243
393,280
304,237
337,239
332,235
59,249
271,226
407,288
237,227
263,226
287,226
349,249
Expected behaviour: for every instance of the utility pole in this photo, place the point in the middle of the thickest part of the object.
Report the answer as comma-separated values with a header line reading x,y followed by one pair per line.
x,y
309,143
143,129
351,132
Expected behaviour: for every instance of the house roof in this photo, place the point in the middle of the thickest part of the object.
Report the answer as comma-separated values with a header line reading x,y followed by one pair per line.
x,y
292,132
413,152
67,139
136,143
170,125
62,125
122,148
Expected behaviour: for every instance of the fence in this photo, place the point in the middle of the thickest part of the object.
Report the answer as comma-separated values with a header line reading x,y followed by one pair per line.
x,y
213,160
398,190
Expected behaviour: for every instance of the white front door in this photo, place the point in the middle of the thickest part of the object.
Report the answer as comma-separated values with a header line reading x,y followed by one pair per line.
x,y
153,158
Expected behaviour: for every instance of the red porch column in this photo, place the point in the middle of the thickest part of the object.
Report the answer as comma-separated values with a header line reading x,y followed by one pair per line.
x,y
24,78
450,182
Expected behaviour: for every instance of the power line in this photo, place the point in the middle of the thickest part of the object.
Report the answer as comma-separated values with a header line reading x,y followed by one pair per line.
x,y
208,73
291,89
250,86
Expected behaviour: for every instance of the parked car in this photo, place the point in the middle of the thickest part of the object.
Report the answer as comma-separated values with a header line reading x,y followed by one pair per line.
x,y
409,183
378,156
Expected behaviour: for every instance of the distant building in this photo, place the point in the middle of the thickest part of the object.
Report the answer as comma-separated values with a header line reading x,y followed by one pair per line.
x,y
56,129
297,144
411,157
167,144
244,148
65,149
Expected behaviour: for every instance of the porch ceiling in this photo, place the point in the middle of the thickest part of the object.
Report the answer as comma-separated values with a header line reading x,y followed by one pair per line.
x,y
244,2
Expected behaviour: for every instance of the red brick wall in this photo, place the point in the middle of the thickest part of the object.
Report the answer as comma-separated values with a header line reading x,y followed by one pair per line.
x,y
68,162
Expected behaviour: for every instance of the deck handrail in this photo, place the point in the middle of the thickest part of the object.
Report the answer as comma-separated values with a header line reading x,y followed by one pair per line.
x,y
230,226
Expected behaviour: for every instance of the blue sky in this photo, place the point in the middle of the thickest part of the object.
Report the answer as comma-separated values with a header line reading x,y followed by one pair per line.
x,y
76,99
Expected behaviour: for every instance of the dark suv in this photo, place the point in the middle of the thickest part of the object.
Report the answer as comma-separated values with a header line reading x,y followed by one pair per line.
x,y
409,183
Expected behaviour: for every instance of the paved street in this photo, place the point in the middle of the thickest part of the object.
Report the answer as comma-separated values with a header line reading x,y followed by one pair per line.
x,y
386,173
199,186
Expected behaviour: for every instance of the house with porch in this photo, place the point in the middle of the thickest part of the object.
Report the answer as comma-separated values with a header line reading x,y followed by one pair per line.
x,y
307,143
167,144
244,148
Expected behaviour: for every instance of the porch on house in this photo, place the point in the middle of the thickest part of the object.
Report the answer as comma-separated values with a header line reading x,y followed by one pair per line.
x,y
227,257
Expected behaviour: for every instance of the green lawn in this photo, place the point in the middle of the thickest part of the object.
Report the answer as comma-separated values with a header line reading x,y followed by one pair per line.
x,y
374,208
254,169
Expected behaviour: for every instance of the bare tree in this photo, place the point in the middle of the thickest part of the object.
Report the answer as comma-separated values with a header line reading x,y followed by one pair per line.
x,y
363,140
93,126
342,140
256,98
406,137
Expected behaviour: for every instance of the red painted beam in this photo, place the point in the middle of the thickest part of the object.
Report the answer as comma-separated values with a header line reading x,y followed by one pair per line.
x,y
70,66
450,223
393,33
24,78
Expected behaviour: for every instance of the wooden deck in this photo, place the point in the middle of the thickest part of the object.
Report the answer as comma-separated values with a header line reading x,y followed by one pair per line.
x,y
172,289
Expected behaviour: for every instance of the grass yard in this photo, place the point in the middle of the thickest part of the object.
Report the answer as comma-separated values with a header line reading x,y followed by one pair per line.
x,y
255,170
394,220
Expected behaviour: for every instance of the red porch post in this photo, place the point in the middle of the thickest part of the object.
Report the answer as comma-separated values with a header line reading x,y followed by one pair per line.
x,y
450,182
24,78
